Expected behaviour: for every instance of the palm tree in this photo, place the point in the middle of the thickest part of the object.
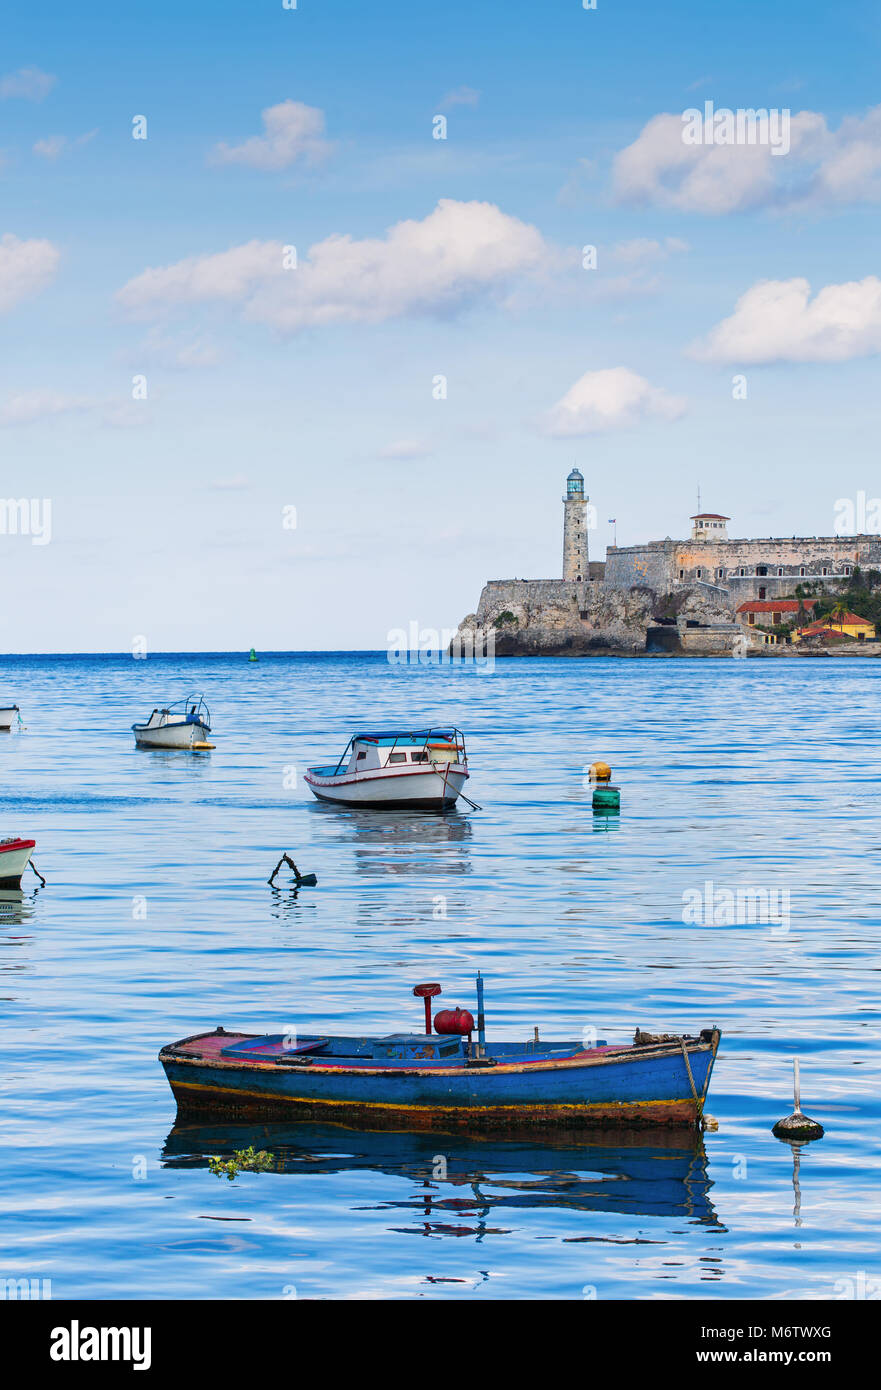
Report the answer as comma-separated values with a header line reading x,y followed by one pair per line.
x,y
840,611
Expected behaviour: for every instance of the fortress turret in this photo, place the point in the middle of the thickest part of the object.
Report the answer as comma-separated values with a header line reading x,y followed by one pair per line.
x,y
709,526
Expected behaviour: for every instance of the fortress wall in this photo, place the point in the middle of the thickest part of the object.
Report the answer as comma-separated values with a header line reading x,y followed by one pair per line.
x,y
665,564
501,594
650,564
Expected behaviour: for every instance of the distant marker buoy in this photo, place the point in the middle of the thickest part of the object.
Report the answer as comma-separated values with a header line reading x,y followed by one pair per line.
x,y
253,655
797,1125
600,772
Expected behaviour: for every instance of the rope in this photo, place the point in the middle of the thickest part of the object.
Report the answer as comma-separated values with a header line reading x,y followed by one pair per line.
x,y
698,1099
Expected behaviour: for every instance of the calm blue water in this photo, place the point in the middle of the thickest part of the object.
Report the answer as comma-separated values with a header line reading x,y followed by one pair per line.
x,y
157,922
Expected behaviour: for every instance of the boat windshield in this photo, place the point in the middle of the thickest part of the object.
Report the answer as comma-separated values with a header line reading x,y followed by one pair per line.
x,y
440,745
192,706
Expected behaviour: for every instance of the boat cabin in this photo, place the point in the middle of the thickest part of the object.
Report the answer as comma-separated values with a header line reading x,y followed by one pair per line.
x,y
369,752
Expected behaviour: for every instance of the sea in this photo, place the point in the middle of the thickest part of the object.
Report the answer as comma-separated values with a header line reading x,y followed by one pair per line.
x,y
737,887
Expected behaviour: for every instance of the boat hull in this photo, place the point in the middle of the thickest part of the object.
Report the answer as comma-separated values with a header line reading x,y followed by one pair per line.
x,y
8,716
609,1088
14,859
395,789
182,735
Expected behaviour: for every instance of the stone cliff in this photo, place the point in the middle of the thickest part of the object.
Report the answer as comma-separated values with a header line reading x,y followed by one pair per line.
x,y
548,617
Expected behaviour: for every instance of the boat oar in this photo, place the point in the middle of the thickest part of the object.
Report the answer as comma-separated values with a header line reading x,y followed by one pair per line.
x,y
301,880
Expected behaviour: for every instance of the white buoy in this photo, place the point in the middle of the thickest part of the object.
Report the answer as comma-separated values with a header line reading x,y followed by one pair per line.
x,y
797,1125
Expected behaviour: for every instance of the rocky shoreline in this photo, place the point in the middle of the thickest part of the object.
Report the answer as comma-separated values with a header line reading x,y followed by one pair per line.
x,y
524,618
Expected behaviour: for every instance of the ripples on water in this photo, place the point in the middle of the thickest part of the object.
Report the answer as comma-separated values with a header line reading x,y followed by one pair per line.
x,y
157,922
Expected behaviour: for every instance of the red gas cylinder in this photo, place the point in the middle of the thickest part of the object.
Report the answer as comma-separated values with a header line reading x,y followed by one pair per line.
x,y
453,1021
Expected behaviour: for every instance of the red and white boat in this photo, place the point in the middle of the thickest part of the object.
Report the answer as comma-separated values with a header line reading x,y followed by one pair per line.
x,y
15,855
421,769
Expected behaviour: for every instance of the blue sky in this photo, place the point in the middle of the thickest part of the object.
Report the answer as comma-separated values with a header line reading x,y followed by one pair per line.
x,y
312,387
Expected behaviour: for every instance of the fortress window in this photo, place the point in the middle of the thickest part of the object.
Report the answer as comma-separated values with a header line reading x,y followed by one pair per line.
x,y
699,573
825,569
761,569
682,574
847,569
719,573
780,571
802,571
741,571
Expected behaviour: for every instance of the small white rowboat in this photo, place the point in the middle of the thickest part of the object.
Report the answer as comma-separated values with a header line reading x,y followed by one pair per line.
x,y
186,724
15,855
423,769
9,714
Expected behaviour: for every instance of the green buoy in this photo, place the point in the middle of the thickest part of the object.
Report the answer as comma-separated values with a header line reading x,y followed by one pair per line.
x,y
253,656
606,798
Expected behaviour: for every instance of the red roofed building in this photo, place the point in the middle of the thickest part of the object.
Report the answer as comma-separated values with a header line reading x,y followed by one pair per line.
x,y
770,611
837,626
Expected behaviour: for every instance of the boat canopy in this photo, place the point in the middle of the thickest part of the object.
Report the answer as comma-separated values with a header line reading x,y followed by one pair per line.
x,y
192,709
417,736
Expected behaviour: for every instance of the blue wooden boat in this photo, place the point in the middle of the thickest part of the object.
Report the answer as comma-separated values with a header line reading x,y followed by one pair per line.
x,y
443,1079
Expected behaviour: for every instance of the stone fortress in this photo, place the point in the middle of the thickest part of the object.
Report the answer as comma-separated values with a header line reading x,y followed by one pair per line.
x,y
630,602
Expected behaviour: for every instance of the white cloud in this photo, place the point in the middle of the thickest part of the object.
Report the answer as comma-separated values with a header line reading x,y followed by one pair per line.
x,y
777,321
641,250
461,96
405,449
30,406
28,83
291,131
237,483
637,263
823,168
611,399
179,352
35,407
26,267
459,253
51,146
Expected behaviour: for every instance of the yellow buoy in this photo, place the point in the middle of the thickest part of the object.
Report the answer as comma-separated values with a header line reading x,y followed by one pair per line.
x,y
600,772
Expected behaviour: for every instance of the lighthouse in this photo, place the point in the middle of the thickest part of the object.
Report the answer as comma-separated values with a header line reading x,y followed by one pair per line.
x,y
575,556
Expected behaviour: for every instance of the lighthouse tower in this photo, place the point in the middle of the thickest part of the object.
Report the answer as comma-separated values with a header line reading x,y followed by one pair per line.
x,y
575,557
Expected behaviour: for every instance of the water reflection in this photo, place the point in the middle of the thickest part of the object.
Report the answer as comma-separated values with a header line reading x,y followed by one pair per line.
x,y
16,906
401,842
465,1186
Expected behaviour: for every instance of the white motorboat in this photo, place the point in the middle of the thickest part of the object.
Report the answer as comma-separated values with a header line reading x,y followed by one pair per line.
x,y
185,724
9,715
422,769
15,855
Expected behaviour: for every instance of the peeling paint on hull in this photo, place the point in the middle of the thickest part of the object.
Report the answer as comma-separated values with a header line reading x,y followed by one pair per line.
x,y
194,1099
639,1087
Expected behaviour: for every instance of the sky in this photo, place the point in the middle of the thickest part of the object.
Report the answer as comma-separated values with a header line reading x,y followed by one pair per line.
x,y
293,372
